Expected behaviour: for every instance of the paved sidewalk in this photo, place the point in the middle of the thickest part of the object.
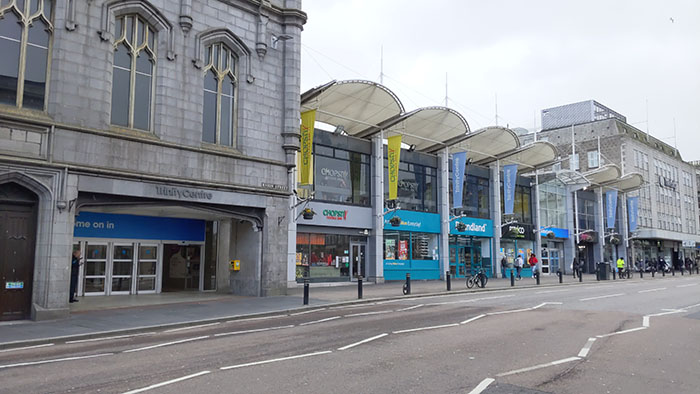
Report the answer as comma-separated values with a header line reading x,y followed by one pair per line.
x,y
103,316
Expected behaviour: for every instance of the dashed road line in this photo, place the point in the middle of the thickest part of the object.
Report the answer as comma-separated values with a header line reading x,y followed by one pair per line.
x,y
257,318
26,347
191,327
108,338
551,291
55,360
165,344
362,341
472,319
523,309
622,332
688,285
368,313
650,290
551,364
482,386
320,321
154,386
252,331
305,312
586,348
601,297
276,360
425,328
409,308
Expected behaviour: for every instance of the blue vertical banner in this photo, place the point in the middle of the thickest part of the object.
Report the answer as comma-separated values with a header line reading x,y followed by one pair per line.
x,y
611,207
459,161
632,210
509,173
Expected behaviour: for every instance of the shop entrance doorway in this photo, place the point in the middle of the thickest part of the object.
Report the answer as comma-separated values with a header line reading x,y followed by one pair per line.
x,y
357,256
182,267
465,260
550,260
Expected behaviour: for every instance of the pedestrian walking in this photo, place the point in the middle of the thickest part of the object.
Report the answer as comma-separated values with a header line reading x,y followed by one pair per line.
x,y
575,268
74,271
519,265
620,266
533,263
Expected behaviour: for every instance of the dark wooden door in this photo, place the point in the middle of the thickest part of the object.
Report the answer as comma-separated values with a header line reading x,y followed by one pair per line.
x,y
17,243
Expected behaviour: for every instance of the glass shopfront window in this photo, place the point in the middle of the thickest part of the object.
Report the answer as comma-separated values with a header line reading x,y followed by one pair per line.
x,y
322,256
341,176
417,187
522,209
402,245
475,197
553,204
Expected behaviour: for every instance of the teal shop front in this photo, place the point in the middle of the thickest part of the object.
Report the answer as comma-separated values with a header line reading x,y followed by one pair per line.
x,y
412,246
470,248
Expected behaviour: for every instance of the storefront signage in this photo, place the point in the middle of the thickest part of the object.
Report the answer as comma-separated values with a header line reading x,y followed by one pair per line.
x,y
509,174
558,232
274,186
180,193
338,216
473,226
611,207
308,120
333,173
108,225
414,221
459,161
518,231
688,243
393,157
632,208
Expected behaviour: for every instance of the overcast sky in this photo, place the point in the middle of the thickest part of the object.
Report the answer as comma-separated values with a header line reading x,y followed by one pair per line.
x,y
530,54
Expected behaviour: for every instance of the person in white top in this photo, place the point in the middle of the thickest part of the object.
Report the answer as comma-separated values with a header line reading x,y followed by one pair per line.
x,y
519,265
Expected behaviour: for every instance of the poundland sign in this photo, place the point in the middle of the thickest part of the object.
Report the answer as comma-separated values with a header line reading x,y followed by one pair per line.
x,y
473,226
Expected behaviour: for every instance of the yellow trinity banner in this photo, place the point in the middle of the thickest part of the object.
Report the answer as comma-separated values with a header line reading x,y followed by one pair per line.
x,y
394,146
308,119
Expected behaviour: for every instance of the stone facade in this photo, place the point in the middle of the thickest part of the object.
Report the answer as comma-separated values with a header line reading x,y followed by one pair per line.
x,y
50,151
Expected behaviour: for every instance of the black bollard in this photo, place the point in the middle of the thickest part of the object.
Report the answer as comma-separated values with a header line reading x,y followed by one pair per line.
x,y
682,270
597,272
641,273
359,287
512,279
561,277
482,278
306,292
407,285
697,269
448,279
663,272
652,272
580,275
614,274
537,277
673,271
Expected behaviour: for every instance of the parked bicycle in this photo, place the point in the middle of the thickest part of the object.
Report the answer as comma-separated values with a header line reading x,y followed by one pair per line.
x,y
476,279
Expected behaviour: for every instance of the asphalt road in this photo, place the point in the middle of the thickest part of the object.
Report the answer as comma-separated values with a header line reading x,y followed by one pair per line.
x,y
606,337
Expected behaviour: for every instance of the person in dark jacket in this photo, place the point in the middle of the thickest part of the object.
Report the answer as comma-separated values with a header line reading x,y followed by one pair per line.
x,y
74,271
575,268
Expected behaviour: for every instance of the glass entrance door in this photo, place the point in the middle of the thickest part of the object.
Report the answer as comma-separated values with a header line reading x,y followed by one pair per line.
x,y
182,267
465,260
357,257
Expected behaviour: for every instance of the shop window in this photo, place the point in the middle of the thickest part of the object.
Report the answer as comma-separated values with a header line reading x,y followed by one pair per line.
x,y
25,35
322,256
341,176
417,187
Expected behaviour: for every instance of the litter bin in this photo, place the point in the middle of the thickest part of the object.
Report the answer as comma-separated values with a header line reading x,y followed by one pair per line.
x,y
604,271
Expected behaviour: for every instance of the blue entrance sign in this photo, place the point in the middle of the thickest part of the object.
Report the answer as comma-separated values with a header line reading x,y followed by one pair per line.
x,y
558,232
475,227
108,225
414,221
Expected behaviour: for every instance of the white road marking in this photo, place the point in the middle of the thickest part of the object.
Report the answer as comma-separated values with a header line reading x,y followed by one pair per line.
x,y
320,321
165,344
551,291
553,363
410,307
645,321
257,318
471,300
351,306
692,284
108,338
586,348
275,360
425,328
26,347
55,360
622,332
368,313
472,319
253,330
482,386
650,290
362,341
192,327
305,312
524,309
691,306
194,375
599,297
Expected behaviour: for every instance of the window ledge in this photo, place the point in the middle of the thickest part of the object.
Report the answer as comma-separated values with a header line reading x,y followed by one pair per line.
x,y
33,114
133,132
220,148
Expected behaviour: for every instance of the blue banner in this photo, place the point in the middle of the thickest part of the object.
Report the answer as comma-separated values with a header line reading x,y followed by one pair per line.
x,y
558,232
459,161
414,221
473,226
509,173
108,225
632,209
611,207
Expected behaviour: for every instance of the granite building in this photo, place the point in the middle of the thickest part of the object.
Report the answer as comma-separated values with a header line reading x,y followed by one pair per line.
x,y
156,137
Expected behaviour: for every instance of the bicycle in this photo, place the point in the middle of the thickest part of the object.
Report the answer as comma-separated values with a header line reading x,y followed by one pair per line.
x,y
476,279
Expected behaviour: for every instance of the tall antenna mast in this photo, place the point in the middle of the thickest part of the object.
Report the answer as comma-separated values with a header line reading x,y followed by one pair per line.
x,y
381,67
496,100
675,140
647,122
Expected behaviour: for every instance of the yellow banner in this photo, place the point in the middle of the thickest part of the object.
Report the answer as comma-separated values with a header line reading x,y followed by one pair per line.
x,y
394,146
307,142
